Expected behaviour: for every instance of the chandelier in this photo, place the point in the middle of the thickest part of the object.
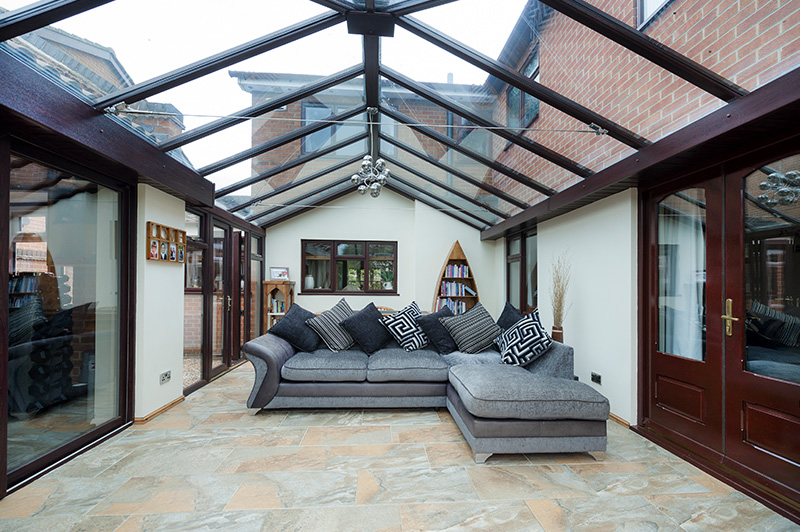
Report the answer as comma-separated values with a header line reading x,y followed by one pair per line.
x,y
784,189
372,175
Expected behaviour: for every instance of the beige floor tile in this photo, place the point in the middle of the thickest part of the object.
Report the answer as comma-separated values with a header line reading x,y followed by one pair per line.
x,y
527,482
721,512
321,418
196,521
460,454
167,422
256,437
26,502
358,457
636,478
295,490
600,514
351,435
363,519
400,417
496,517
405,486
268,459
431,434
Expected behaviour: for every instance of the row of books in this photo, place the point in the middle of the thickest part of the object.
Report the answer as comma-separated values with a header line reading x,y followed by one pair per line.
x,y
456,270
24,283
452,288
458,307
278,306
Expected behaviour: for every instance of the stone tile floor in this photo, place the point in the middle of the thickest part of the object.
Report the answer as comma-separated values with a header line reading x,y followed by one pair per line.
x,y
207,464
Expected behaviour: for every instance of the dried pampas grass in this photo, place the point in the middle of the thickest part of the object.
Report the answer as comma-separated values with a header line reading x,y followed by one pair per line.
x,y
562,269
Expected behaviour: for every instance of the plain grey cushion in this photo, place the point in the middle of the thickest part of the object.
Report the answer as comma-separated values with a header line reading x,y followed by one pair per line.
x,y
504,391
423,365
292,328
484,357
324,366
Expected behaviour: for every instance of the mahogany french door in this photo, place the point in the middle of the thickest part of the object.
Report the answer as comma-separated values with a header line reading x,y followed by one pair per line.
x,y
722,330
222,299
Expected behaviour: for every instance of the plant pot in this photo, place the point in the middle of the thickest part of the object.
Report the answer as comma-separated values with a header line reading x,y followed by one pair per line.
x,y
309,282
558,334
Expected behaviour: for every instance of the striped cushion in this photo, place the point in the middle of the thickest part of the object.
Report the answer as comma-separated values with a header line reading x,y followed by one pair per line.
x,y
404,328
524,342
473,331
789,334
327,326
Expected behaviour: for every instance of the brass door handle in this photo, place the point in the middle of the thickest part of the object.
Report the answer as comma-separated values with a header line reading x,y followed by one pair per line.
x,y
229,303
728,317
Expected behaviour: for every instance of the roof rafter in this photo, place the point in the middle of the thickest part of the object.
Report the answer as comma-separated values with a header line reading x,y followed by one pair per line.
x,y
303,159
398,190
521,82
648,48
447,141
295,184
444,186
452,106
300,210
457,173
40,14
298,199
412,6
221,60
262,108
277,142
340,6
421,190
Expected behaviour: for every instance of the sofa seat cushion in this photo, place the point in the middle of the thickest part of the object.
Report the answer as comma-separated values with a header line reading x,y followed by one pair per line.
x,y
323,366
512,392
474,359
421,365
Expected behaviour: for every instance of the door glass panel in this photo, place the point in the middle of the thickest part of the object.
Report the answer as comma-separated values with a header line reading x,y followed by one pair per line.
x,y
220,299
682,274
772,270
193,317
255,298
530,265
63,321
513,283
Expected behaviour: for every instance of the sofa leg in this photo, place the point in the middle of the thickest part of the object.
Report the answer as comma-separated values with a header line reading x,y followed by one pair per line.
x,y
253,411
480,458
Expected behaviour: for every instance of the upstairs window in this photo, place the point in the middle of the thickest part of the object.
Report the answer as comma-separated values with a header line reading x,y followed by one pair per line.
x,y
316,111
648,9
349,267
523,108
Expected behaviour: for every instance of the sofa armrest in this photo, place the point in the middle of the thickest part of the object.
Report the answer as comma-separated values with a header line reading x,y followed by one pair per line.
x,y
558,361
268,353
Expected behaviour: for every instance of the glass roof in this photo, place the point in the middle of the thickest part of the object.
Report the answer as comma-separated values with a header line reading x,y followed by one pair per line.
x,y
481,112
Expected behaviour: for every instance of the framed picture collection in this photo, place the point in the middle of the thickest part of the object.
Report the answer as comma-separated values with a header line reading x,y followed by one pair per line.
x,y
165,244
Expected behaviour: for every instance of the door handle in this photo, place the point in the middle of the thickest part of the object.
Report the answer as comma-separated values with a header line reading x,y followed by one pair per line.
x,y
728,317
229,303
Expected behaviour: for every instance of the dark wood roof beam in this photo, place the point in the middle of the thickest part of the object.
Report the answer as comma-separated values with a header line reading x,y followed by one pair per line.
x,y
303,159
257,110
277,142
407,7
300,210
421,190
523,83
40,14
457,173
647,47
447,141
444,186
298,199
454,107
295,184
221,60
412,197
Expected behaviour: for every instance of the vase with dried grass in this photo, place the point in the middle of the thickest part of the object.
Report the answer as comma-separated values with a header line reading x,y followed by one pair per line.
x,y
562,269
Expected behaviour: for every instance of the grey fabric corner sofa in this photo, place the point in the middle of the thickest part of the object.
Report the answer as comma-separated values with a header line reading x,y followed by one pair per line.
x,y
499,408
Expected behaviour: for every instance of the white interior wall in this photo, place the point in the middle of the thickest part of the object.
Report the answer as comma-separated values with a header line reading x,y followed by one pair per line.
x,y
159,307
424,237
600,241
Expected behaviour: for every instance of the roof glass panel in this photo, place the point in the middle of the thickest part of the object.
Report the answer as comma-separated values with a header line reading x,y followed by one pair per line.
x,y
439,175
306,197
438,205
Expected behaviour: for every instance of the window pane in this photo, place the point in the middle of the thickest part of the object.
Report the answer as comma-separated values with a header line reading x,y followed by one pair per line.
x,y
682,274
350,249
531,278
381,251
350,275
255,298
318,264
513,283
63,322
192,225
194,268
514,246
381,274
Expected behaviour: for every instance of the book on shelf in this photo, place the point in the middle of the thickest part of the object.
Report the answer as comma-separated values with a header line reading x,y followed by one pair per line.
x,y
456,270
458,307
278,306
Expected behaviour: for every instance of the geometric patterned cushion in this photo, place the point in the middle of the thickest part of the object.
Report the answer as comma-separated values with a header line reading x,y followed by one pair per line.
x,y
524,342
474,330
327,326
405,329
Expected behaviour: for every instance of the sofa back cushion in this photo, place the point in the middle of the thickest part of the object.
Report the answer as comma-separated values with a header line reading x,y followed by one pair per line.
x,y
366,329
328,326
404,328
292,328
473,331
437,334
524,342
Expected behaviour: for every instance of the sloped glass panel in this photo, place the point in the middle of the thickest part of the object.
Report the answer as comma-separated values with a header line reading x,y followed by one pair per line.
x,y
445,178
438,205
304,204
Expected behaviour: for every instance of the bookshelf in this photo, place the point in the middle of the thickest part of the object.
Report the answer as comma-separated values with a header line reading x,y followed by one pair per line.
x,y
278,297
456,287
22,287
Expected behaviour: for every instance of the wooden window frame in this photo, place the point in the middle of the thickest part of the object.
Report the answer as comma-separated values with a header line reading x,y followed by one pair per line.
x,y
334,272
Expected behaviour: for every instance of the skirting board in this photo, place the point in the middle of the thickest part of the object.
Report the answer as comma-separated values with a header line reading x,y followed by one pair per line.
x,y
148,417
619,420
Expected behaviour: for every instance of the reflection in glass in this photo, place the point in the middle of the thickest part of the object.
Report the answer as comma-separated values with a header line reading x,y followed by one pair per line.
x,y
318,265
531,265
193,317
350,275
255,299
220,301
63,322
682,274
772,279
513,283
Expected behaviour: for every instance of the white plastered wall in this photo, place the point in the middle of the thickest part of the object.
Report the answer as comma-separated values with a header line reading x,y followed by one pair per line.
x,y
424,237
600,241
159,307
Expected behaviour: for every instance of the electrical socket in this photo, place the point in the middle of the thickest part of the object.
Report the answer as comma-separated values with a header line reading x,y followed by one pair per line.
x,y
166,376
597,378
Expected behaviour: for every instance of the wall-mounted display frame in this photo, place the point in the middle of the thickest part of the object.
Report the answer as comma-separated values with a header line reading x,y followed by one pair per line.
x,y
165,243
279,273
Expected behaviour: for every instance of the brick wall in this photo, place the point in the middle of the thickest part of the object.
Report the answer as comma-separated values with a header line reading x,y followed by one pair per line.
x,y
192,323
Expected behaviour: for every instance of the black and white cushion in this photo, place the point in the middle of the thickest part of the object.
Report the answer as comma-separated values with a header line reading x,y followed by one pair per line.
x,y
327,326
404,328
524,342
474,330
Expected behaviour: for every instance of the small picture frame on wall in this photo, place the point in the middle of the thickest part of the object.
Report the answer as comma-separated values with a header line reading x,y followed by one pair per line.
x,y
279,273
163,251
165,243
153,249
173,252
181,253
